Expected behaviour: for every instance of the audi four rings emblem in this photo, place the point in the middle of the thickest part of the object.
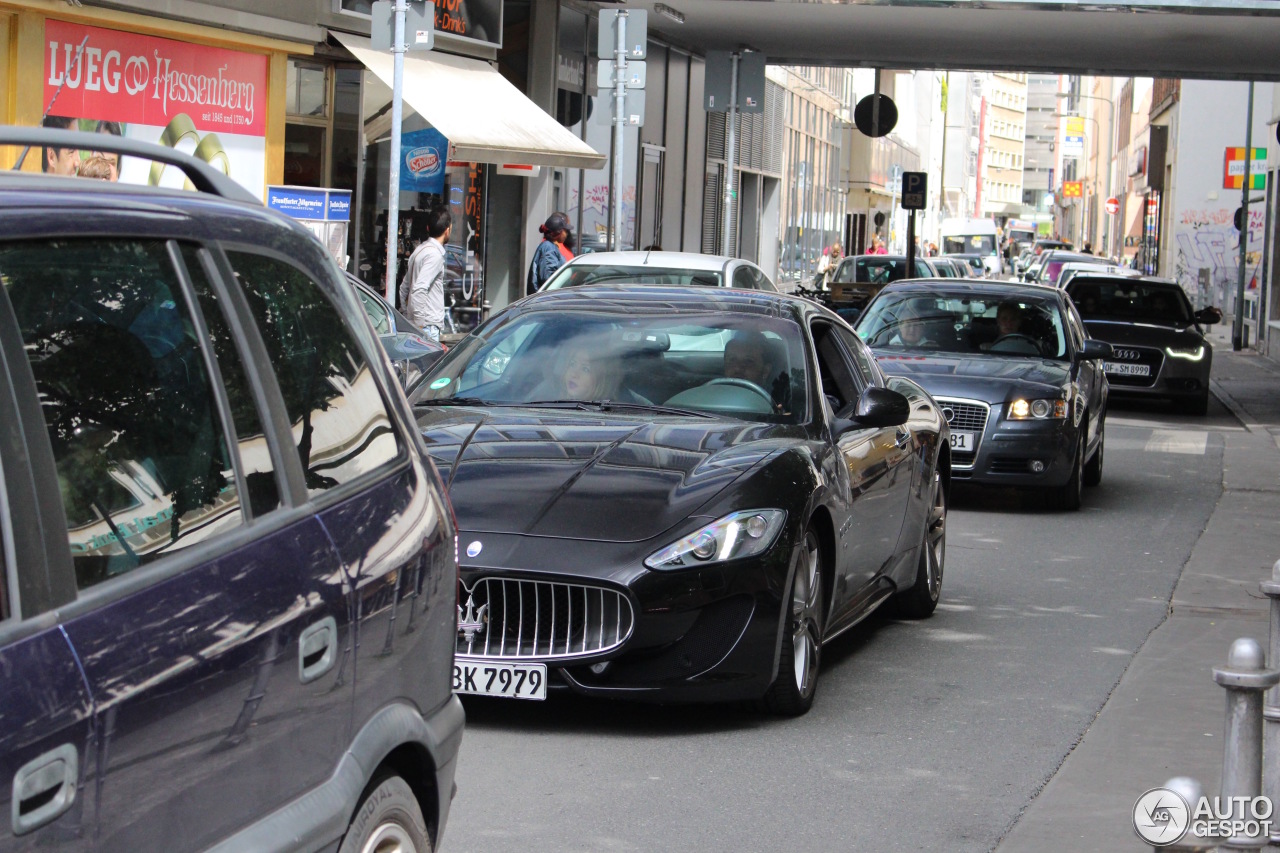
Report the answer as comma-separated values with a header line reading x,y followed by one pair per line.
x,y
1126,354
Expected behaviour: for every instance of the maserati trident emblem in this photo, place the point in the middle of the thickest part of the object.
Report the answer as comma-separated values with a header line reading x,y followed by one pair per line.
x,y
472,621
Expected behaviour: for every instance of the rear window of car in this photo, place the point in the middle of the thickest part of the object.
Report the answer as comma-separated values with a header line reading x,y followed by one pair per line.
x,y
577,275
143,461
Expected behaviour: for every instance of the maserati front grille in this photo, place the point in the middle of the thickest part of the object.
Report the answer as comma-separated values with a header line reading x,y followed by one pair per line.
x,y
540,620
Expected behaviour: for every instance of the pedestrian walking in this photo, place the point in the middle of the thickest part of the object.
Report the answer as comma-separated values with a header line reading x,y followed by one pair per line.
x,y
1088,248
422,288
820,274
551,253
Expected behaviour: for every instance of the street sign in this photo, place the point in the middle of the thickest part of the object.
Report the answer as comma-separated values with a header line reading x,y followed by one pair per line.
x,y
632,111
1073,139
636,33
718,81
1113,205
633,77
1073,189
914,190
865,112
419,25
1233,169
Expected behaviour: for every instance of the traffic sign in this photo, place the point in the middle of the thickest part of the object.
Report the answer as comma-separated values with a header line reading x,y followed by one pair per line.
x,y
1073,189
914,190
865,111
1113,205
419,26
718,81
632,110
632,78
636,33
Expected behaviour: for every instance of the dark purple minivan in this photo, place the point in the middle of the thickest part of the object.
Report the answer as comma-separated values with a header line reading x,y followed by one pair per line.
x,y
227,602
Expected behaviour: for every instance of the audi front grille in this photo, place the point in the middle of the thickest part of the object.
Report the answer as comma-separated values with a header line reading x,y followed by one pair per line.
x,y
965,416
540,620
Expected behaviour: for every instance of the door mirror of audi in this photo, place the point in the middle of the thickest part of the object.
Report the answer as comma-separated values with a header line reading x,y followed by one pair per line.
x,y
1093,350
876,407
1208,316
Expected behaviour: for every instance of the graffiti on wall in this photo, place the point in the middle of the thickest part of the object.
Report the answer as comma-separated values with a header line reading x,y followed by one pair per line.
x,y
595,211
1207,239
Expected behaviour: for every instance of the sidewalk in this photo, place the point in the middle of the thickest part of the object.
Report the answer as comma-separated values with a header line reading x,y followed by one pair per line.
x,y
1165,717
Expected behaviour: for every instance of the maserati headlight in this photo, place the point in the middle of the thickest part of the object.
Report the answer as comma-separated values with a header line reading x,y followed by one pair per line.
x,y
1192,353
738,534
1036,410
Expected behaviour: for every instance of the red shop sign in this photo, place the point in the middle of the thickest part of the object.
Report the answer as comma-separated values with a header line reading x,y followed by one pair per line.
x,y
140,79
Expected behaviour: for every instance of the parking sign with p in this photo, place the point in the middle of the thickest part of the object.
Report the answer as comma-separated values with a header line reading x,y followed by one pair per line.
x,y
914,190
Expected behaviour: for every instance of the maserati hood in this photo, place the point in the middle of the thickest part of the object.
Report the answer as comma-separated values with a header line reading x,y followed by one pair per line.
x,y
991,379
586,475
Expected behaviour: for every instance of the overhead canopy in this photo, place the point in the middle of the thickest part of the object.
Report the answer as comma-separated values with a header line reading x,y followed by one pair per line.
x,y
484,117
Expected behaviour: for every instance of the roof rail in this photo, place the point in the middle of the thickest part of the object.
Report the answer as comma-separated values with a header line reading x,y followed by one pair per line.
x,y
202,176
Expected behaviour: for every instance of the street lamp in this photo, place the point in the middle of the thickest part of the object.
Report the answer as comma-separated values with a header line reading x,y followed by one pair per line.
x,y
1111,118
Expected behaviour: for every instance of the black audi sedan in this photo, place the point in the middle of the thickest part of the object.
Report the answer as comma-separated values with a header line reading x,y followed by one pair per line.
x,y
1159,347
678,494
1019,380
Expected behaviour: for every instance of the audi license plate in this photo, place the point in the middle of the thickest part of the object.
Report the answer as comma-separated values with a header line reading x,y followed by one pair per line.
x,y
1126,369
962,441
508,680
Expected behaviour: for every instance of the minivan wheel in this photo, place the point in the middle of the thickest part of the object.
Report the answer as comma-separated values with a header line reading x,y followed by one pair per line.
x,y
388,820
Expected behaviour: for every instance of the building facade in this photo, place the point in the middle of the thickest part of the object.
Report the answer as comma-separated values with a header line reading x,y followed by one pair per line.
x,y
1002,156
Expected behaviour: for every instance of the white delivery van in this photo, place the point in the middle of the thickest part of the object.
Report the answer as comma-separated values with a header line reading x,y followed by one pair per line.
x,y
973,237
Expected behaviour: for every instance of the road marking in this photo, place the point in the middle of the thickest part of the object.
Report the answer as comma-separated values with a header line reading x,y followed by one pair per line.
x,y
1177,441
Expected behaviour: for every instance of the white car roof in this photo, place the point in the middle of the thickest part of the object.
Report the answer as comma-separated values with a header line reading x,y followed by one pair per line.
x,y
658,260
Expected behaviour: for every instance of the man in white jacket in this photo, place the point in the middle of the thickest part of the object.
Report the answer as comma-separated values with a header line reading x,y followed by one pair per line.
x,y
422,288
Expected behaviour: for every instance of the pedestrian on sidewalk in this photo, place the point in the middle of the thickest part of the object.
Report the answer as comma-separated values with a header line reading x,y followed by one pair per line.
x,y
551,253
422,288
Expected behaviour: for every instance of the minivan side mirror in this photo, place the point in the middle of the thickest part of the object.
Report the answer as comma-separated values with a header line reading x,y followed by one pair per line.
x,y
1093,350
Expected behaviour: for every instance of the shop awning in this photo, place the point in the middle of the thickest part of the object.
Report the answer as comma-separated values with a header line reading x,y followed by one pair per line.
x,y
484,117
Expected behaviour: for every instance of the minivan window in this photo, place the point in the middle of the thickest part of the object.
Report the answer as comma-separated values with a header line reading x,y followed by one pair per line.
x,y
143,464
255,455
340,423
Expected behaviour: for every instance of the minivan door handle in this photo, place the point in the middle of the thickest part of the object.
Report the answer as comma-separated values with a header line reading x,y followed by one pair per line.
x,y
44,788
317,649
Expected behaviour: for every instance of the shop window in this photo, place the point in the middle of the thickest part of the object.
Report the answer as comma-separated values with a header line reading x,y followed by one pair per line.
x,y
306,89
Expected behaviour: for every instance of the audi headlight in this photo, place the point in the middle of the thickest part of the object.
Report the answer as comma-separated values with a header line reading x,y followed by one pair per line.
x,y
738,534
1036,410
1194,353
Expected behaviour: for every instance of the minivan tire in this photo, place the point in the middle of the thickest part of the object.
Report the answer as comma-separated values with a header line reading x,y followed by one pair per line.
x,y
388,820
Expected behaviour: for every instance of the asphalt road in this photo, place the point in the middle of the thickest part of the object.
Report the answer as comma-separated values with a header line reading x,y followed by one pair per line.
x,y
924,736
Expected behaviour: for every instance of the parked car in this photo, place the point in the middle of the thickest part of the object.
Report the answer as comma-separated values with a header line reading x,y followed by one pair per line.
x,y
1071,269
948,267
1020,382
227,604
1159,346
679,493
1051,265
860,277
660,268
409,350
977,269
1039,247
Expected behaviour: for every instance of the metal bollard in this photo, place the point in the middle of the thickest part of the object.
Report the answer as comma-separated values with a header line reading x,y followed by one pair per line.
x,y
1191,791
1245,678
1271,709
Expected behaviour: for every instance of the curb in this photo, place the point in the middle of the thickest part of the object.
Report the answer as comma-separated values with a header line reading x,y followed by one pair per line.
x,y
1238,412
